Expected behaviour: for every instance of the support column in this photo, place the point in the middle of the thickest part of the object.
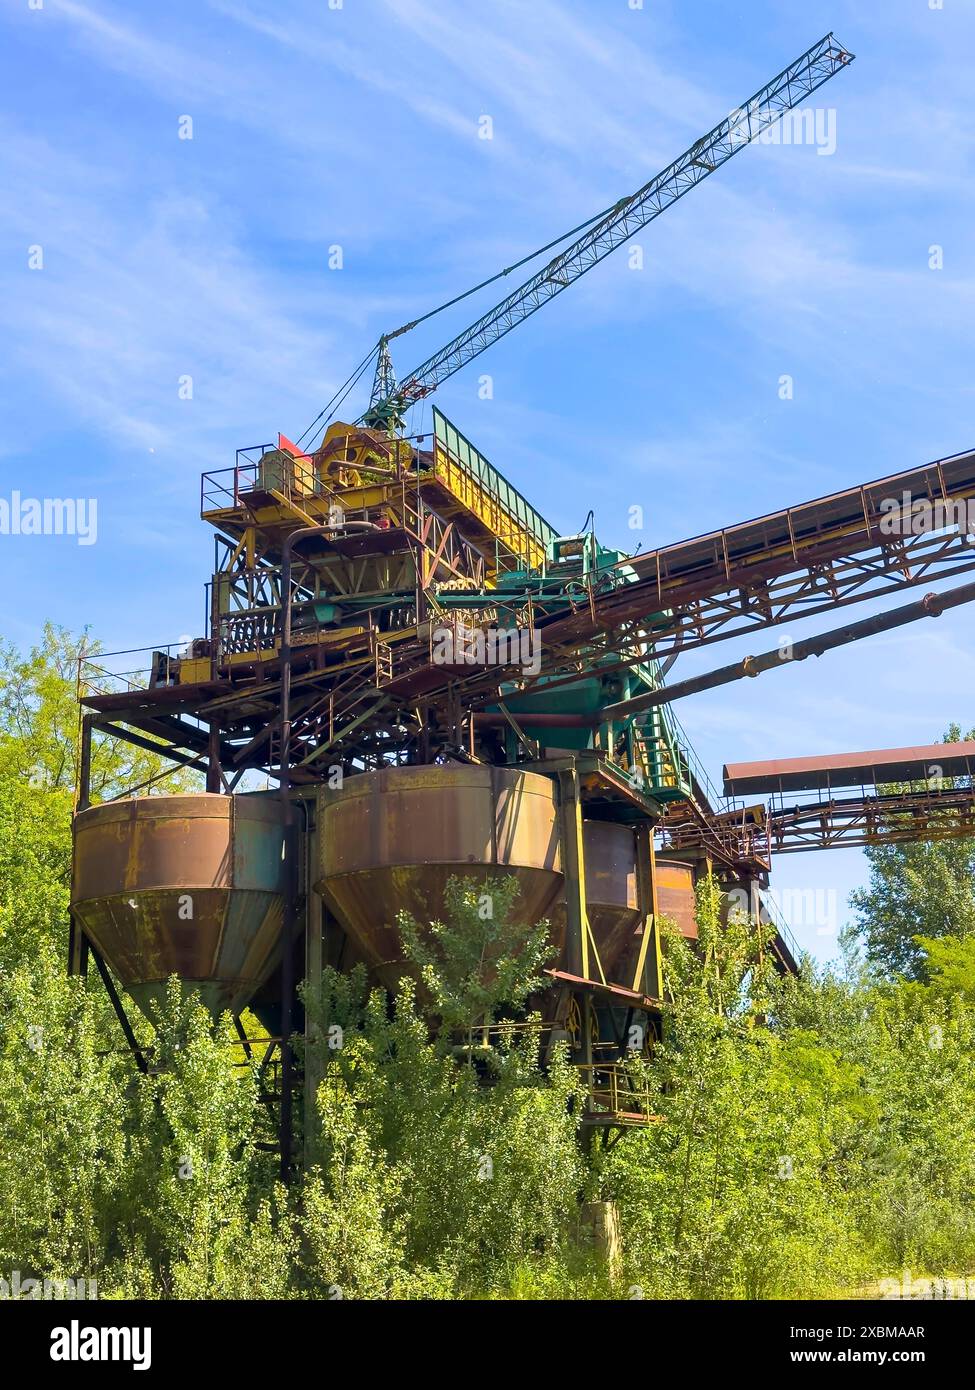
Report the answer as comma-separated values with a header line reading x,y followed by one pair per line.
x,y
77,948
77,941
288,919
120,1013
588,1020
648,976
314,958
214,778
755,912
573,867
83,799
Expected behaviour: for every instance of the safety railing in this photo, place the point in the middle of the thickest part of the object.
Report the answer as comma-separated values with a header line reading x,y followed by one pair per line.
x,y
780,803
501,1034
671,732
698,771
739,837
614,1089
487,492
137,668
262,468
782,928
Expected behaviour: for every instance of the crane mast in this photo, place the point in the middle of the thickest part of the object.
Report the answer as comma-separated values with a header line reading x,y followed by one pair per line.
x,y
630,215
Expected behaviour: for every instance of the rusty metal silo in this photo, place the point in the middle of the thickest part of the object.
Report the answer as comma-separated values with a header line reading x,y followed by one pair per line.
x,y
675,883
612,894
389,841
183,885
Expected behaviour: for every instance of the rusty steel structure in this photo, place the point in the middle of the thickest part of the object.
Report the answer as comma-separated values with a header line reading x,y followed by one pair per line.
x,y
348,662
407,674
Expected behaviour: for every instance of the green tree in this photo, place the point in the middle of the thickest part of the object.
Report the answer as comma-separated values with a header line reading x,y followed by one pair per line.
x,y
91,1152
916,890
481,957
193,1178
61,1115
40,725
731,1194
474,1180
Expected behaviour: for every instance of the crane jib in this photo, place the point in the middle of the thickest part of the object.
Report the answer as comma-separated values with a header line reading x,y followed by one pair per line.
x,y
739,128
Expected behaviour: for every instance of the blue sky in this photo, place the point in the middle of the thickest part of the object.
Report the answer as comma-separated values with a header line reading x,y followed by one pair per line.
x,y
358,127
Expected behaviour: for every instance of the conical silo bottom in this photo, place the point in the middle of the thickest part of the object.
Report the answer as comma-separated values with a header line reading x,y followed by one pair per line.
x,y
188,885
390,841
225,951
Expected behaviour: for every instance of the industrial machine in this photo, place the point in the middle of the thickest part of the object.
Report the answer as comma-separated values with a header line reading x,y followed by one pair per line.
x,y
438,683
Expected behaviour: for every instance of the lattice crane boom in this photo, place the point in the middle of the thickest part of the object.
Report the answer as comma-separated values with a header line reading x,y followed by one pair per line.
x,y
627,217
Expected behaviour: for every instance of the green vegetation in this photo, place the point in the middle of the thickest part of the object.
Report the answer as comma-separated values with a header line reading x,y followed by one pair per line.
x,y
815,1134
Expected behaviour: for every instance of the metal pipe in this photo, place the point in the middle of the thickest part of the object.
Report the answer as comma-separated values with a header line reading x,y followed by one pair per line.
x,y
931,606
120,1013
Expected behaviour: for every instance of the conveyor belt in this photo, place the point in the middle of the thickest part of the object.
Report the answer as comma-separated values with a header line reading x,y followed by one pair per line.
x,y
869,768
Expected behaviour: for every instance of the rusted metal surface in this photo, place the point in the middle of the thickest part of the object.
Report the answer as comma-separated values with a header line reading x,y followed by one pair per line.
x,y
612,899
378,856
675,894
614,993
829,822
739,839
808,559
390,840
185,885
868,768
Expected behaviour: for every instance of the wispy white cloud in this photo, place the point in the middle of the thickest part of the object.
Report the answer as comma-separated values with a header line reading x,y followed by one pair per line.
x,y
126,305
315,44
236,91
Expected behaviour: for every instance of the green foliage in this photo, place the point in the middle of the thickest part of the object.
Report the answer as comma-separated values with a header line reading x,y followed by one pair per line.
x,y
465,1180
40,726
352,1222
920,1173
950,966
61,1145
147,1184
730,1195
480,957
191,1170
